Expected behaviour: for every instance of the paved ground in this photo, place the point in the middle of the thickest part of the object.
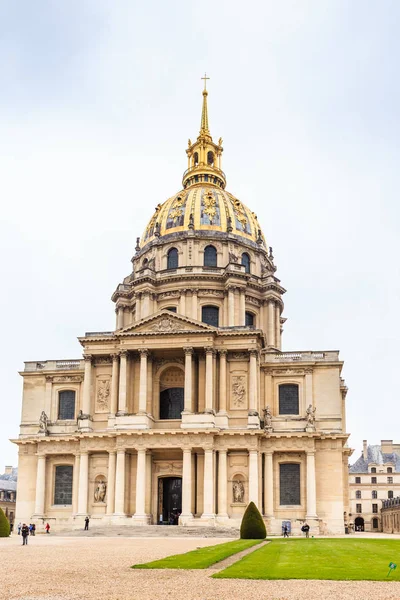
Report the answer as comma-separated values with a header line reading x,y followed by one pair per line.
x,y
98,568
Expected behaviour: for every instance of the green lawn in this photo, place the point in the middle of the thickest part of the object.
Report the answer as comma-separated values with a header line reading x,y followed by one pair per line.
x,y
338,559
199,559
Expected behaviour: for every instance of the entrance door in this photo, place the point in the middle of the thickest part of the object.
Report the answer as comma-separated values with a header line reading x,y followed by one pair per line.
x,y
359,524
170,499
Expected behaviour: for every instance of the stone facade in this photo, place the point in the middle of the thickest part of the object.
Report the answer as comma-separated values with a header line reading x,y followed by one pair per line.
x,y
189,409
390,515
373,478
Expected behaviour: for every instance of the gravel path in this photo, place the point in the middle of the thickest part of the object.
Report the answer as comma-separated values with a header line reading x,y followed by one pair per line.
x,y
56,568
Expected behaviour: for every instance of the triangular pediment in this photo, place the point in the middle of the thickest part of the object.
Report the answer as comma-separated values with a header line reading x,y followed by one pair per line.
x,y
165,321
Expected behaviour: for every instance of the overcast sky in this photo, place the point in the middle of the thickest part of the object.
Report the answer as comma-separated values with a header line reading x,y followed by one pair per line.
x,y
97,101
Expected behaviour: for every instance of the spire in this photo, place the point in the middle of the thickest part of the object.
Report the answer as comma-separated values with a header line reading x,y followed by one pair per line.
x,y
204,113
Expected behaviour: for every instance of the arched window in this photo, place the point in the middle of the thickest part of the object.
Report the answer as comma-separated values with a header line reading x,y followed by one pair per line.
x,y
171,308
210,256
373,470
63,485
249,319
210,315
66,405
358,494
210,158
289,484
145,263
389,470
172,261
196,159
289,399
172,383
375,523
246,262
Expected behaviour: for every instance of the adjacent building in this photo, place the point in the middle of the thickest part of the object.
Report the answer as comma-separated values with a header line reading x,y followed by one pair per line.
x,y
8,492
373,479
189,408
390,515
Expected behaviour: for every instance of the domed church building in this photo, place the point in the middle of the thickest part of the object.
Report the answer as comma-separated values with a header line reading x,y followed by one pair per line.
x,y
189,409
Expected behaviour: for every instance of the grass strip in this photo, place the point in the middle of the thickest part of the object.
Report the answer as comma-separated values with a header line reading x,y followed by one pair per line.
x,y
201,558
330,559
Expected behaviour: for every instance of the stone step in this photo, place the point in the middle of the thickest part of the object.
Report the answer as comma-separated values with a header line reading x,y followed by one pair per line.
x,y
152,531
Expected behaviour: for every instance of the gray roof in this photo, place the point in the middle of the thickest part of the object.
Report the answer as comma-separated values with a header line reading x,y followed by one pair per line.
x,y
8,485
12,477
376,457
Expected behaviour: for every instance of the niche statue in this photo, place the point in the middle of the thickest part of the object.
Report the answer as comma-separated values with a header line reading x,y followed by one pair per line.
x,y
100,491
238,491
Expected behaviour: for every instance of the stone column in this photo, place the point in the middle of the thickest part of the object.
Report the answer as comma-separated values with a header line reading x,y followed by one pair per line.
x,y
123,370
114,384
187,483
253,476
222,484
83,484
87,385
222,381
40,485
269,484
271,330
141,484
194,305
208,494
138,307
231,307
242,307
111,482
143,381
209,380
120,483
145,305
182,302
120,317
75,484
277,325
253,382
311,487
188,406
309,388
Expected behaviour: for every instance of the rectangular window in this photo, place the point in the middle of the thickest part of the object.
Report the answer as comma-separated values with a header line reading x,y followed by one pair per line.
x,y
373,479
358,494
358,508
289,399
374,508
358,479
66,405
289,483
390,479
63,485
390,494
374,494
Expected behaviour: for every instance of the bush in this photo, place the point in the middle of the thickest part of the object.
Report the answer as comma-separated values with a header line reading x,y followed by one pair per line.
x,y
253,526
4,525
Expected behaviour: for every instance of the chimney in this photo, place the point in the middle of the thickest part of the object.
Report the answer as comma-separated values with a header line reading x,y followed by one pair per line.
x,y
365,449
8,470
387,446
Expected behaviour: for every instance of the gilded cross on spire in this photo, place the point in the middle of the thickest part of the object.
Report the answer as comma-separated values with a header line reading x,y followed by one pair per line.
x,y
205,81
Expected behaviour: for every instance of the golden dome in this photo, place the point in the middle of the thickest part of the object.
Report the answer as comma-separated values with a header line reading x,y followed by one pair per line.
x,y
203,208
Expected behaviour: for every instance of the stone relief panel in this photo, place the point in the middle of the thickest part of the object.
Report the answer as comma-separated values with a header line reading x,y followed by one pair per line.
x,y
238,390
103,391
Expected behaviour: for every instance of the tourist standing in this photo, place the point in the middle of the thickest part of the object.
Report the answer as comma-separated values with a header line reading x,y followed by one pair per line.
x,y
306,529
47,528
87,524
25,533
285,532
19,528
33,528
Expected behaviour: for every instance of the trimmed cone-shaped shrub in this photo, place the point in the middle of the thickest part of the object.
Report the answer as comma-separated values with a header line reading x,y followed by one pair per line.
x,y
253,526
4,525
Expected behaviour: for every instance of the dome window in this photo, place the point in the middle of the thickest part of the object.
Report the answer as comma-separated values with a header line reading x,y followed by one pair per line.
x,y
210,158
249,319
210,315
172,259
246,262
210,256
196,159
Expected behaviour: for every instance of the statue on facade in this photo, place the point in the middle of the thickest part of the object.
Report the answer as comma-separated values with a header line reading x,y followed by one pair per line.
x,y
310,416
267,418
238,491
100,491
43,423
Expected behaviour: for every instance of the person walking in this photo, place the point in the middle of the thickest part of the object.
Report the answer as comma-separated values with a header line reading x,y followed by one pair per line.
x,y
87,524
285,532
33,529
19,527
306,529
25,534
47,528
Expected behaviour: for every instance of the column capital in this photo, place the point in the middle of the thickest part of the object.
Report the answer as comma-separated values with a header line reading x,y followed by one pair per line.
x,y
253,352
124,353
119,451
223,352
88,357
143,352
209,350
187,449
188,350
112,452
114,357
195,292
310,452
269,452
